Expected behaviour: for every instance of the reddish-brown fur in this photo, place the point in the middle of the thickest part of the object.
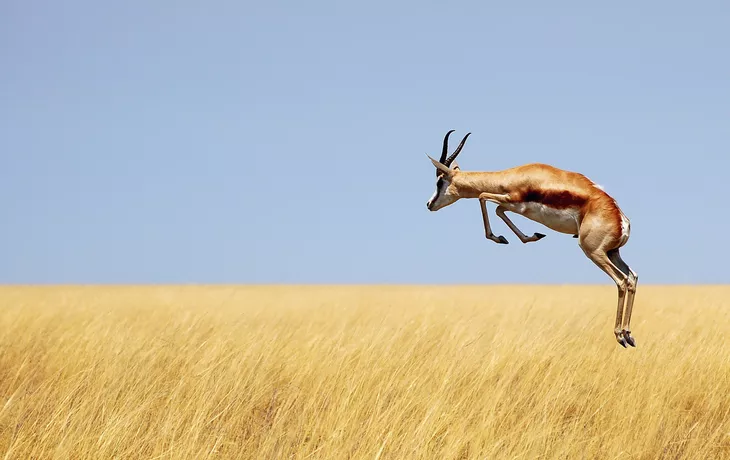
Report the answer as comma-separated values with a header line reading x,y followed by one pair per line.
x,y
558,199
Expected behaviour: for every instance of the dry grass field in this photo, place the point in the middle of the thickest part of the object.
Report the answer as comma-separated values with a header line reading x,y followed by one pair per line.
x,y
391,372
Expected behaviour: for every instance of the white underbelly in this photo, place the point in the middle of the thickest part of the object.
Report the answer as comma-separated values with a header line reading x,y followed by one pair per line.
x,y
561,220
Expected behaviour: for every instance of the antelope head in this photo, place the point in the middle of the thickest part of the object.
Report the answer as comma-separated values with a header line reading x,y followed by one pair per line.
x,y
445,193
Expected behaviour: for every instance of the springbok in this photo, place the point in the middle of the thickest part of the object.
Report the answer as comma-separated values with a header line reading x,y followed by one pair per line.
x,y
564,201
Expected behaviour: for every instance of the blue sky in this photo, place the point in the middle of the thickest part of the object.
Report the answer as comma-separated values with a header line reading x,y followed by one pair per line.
x,y
284,142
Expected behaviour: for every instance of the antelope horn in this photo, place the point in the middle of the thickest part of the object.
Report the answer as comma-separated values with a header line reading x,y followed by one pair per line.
x,y
445,149
450,159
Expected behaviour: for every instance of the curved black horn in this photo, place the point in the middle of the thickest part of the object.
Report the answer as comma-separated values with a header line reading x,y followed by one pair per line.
x,y
445,149
450,159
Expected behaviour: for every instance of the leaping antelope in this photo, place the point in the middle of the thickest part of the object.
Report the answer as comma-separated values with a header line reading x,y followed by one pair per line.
x,y
564,201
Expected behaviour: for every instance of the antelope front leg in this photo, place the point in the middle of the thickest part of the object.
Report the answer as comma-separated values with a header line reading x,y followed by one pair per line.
x,y
525,239
487,229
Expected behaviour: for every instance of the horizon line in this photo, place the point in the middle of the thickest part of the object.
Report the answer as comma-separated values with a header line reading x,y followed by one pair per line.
x,y
334,284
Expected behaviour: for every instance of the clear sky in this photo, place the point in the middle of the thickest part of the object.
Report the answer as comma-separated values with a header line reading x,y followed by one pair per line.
x,y
285,142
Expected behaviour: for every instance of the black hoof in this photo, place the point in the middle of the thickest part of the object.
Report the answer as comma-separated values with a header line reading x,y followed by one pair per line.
x,y
539,236
630,340
502,240
621,341
575,236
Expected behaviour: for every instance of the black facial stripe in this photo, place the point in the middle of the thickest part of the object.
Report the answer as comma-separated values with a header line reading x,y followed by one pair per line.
x,y
439,183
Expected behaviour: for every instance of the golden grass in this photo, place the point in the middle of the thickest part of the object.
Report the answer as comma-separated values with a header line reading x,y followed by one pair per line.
x,y
388,372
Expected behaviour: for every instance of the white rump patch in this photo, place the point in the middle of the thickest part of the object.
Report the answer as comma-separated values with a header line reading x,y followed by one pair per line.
x,y
625,229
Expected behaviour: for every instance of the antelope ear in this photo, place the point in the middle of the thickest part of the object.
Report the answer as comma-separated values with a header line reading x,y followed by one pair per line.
x,y
441,167
455,166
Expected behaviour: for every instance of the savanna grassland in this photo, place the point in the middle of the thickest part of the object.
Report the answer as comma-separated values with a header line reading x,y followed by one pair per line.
x,y
382,372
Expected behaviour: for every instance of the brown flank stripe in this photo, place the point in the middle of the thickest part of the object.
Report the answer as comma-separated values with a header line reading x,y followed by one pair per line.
x,y
557,199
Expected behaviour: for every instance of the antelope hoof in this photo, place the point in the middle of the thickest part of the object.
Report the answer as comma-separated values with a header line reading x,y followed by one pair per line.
x,y
538,236
630,340
501,239
620,339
